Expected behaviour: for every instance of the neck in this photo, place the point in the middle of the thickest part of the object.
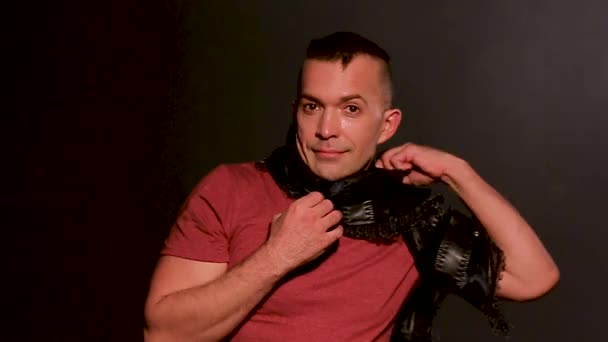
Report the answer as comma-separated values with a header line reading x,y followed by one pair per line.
x,y
289,160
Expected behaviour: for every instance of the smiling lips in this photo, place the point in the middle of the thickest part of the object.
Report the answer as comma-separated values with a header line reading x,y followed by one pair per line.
x,y
327,153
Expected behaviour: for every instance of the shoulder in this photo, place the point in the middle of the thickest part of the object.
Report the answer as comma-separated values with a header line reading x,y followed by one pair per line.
x,y
226,177
242,174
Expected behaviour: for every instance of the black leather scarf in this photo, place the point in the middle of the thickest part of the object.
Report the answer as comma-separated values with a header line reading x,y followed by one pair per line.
x,y
452,252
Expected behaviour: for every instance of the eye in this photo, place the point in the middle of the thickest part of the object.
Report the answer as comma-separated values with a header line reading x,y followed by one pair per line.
x,y
352,109
309,107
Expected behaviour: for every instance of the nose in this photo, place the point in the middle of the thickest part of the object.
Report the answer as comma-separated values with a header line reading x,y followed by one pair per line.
x,y
328,125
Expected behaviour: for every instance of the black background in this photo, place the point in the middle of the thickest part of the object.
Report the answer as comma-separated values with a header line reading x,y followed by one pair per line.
x,y
115,109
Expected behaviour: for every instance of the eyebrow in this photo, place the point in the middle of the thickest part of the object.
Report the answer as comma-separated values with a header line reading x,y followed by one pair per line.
x,y
342,99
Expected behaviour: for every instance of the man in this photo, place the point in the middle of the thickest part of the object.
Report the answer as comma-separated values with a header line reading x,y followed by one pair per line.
x,y
320,243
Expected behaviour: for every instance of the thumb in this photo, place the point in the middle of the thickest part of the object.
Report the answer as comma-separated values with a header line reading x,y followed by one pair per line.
x,y
402,165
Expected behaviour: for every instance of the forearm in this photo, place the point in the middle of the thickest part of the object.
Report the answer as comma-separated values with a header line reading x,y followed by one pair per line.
x,y
211,311
528,264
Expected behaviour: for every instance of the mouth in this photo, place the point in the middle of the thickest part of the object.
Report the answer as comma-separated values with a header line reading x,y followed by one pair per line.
x,y
327,153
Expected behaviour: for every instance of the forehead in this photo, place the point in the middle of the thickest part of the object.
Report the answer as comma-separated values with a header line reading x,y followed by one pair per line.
x,y
328,79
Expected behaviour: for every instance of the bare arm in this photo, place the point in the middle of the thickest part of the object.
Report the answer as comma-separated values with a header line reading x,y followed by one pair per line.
x,y
206,302
199,301
530,272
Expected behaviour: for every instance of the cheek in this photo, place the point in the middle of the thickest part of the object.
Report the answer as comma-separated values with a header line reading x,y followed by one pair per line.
x,y
346,124
305,127
363,134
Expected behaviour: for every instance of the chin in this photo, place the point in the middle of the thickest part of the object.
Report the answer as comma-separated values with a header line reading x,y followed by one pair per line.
x,y
330,173
331,177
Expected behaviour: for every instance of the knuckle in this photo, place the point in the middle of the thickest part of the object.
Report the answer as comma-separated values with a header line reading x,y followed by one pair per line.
x,y
295,206
316,194
337,216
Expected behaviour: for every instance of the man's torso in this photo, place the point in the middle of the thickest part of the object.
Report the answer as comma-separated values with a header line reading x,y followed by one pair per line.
x,y
352,292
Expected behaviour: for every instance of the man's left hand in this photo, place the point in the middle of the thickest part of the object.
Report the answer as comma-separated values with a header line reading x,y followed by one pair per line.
x,y
427,164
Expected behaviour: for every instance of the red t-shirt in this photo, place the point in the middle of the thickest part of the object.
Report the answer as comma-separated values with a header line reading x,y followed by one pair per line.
x,y
352,295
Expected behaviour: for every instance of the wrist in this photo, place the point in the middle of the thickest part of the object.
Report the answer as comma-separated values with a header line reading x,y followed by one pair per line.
x,y
459,174
276,265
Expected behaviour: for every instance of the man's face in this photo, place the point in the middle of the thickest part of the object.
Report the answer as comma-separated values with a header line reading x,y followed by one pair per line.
x,y
342,115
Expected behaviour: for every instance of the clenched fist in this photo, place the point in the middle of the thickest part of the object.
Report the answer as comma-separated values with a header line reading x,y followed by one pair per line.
x,y
303,232
426,164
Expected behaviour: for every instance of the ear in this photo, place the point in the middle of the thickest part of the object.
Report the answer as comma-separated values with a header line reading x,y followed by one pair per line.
x,y
390,124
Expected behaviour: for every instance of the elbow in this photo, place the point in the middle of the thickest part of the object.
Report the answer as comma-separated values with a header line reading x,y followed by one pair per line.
x,y
160,329
151,331
154,329
150,335
539,286
551,279
155,333
544,285
158,335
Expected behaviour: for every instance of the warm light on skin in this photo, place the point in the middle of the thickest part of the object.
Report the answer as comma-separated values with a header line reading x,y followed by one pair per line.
x,y
342,115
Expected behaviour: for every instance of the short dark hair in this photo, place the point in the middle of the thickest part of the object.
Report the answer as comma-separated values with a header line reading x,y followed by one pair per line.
x,y
343,47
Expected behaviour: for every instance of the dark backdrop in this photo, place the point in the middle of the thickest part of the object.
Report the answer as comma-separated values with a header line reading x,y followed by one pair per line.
x,y
115,109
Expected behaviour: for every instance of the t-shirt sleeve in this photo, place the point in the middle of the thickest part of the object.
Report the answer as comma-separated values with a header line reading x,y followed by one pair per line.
x,y
199,232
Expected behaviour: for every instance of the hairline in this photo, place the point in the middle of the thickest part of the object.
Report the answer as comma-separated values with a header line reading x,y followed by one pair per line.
x,y
386,77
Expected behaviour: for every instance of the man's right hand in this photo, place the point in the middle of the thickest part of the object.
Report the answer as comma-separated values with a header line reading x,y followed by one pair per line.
x,y
205,301
303,232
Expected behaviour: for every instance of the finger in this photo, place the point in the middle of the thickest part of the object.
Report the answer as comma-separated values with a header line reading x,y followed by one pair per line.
x,y
423,179
405,154
386,161
393,151
417,178
400,164
334,234
391,155
323,207
387,155
379,164
331,219
311,199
